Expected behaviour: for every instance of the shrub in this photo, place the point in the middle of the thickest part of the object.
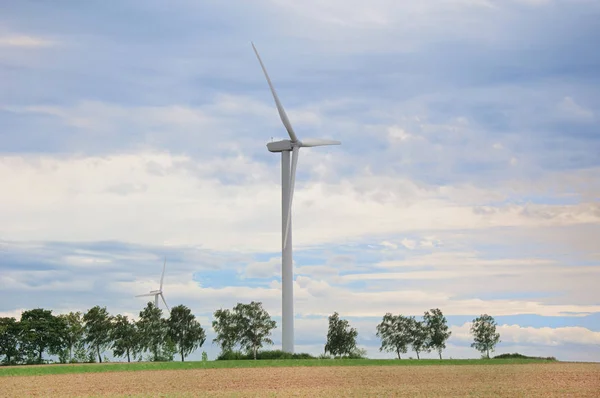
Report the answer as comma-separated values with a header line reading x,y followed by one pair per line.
x,y
516,355
267,354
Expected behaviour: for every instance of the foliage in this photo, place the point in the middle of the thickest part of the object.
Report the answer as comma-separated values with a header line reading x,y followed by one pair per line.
x,y
97,328
41,331
437,330
263,355
358,353
248,325
74,334
395,334
10,330
484,334
185,331
125,337
341,338
167,351
204,356
225,327
419,336
254,326
152,330
521,356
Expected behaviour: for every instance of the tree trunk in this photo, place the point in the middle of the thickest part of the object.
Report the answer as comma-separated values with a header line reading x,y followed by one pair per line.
x,y
398,352
488,353
254,348
440,352
418,355
181,355
99,357
128,359
40,356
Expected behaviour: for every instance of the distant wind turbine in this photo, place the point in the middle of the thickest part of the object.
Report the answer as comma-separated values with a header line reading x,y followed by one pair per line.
x,y
158,292
288,178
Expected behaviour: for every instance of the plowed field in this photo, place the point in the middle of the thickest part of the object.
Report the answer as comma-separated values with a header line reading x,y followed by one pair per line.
x,y
547,380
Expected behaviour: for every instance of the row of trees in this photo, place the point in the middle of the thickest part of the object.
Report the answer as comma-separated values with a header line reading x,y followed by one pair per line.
x,y
398,333
77,337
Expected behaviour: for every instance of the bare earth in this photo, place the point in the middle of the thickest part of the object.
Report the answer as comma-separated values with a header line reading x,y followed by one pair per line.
x,y
547,380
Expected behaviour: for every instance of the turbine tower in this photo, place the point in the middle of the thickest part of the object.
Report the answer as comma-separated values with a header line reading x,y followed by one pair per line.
x,y
288,177
158,292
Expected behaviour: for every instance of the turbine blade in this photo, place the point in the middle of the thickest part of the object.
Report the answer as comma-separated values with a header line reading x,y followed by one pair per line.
x,y
163,273
163,299
319,142
282,114
147,294
295,153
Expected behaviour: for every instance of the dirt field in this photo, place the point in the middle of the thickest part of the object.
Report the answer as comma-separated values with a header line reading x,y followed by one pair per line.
x,y
548,380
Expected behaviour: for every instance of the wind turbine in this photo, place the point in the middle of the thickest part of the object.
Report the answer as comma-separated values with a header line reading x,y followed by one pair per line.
x,y
288,178
158,292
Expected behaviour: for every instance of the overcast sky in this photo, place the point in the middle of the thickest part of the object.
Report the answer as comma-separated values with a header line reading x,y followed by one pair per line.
x,y
467,179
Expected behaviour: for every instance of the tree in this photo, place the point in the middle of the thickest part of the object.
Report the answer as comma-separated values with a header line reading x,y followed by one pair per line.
x,y
341,338
254,326
185,331
124,337
437,329
225,327
97,329
395,334
10,330
74,332
152,330
483,330
419,336
41,331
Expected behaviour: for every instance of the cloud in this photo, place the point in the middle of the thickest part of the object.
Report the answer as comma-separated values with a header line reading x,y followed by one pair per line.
x,y
25,41
545,336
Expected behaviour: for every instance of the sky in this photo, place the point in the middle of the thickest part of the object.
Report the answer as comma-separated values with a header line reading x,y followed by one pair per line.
x,y
467,179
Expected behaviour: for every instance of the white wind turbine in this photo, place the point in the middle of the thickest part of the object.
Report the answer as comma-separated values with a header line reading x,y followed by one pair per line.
x,y
288,178
158,292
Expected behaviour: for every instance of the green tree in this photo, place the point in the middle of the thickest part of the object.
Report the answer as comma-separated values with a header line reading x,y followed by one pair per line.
x,y
437,329
484,333
395,334
41,331
10,330
225,326
74,332
98,323
124,336
341,338
254,326
419,336
152,330
185,331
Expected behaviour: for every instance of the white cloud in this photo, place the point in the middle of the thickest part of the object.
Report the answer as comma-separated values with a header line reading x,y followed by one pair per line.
x,y
389,245
25,41
263,269
546,336
571,109
184,202
409,243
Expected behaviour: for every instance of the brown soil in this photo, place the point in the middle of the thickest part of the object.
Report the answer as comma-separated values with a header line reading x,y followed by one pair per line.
x,y
547,380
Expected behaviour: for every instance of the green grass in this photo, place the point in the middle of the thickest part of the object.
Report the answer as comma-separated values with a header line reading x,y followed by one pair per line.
x,y
39,370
